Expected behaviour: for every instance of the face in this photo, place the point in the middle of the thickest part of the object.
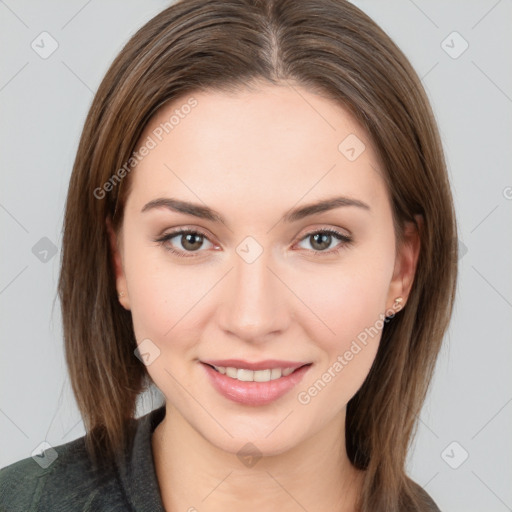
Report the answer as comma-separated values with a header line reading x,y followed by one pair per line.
x,y
261,278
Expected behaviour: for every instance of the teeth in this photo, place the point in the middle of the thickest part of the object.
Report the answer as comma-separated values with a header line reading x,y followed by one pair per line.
x,y
262,375
275,373
231,372
254,375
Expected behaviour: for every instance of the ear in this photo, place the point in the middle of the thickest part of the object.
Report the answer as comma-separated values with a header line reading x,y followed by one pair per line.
x,y
405,265
117,262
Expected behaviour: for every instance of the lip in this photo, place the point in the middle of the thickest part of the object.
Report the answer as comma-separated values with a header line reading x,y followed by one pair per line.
x,y
260,365
255,393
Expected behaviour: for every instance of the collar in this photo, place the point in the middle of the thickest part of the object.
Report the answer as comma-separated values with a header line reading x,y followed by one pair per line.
x,y
137,468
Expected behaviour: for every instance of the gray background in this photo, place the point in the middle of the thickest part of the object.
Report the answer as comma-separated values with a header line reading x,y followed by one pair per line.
x,y
43,106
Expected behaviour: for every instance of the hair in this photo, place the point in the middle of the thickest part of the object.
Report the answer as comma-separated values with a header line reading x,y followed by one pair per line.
x,y
326,46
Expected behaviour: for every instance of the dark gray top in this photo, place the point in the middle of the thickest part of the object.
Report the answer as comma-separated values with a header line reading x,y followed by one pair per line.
x,y
69,483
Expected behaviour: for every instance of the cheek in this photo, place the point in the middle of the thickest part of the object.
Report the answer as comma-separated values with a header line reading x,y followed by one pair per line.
x,y
161,292
349,304
345,301
348,344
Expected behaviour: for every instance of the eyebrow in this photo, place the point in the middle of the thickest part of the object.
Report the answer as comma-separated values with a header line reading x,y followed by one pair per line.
x,y
204,212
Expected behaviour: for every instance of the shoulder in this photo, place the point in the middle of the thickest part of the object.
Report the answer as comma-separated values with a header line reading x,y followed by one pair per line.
x,y
424,502
61,478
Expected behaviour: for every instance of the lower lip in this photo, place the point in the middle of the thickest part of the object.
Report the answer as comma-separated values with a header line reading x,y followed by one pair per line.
x,y
254,393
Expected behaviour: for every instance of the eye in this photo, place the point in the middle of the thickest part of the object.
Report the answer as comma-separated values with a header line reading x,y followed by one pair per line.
x,y
192,240
189,239
320,240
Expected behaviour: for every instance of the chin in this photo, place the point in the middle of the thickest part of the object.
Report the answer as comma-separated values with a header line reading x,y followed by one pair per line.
x,y
256,447
258,438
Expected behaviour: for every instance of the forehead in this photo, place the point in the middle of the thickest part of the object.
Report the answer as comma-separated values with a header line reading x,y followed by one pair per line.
x,y
256,147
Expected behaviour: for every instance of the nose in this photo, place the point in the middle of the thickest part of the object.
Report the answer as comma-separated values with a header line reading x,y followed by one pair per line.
x,y
254,306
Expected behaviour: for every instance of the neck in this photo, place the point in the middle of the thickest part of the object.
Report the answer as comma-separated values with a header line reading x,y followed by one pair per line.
x,y
195,475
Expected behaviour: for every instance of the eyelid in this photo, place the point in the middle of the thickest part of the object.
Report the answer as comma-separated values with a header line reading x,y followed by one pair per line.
x,y
185,230
323,227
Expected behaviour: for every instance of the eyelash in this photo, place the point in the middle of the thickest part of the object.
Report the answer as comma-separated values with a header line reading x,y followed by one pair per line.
x,y
340,236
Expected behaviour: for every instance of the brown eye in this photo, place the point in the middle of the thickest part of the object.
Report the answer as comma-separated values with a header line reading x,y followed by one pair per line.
x,y
187,241
191,241
321,240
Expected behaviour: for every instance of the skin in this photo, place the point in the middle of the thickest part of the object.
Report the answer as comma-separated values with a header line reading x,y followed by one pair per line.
x,y
252,156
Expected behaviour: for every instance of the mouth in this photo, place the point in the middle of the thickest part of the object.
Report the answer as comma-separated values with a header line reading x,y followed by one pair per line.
x,y
254,387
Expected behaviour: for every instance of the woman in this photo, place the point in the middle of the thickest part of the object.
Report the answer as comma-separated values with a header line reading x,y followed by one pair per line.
x,y
259,222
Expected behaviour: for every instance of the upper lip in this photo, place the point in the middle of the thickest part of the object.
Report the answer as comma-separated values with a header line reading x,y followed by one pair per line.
x,y
258,365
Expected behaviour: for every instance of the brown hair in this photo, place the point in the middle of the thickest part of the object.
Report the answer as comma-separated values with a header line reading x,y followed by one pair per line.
x,y
327,46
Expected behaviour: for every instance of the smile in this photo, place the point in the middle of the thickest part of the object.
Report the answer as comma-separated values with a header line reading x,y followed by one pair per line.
x,y
255,387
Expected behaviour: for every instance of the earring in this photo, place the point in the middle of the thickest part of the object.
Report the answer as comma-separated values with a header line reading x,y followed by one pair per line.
x,y
120,294
396,307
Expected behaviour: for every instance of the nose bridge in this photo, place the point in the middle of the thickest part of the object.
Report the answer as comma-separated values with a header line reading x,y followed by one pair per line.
x,y
255,304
